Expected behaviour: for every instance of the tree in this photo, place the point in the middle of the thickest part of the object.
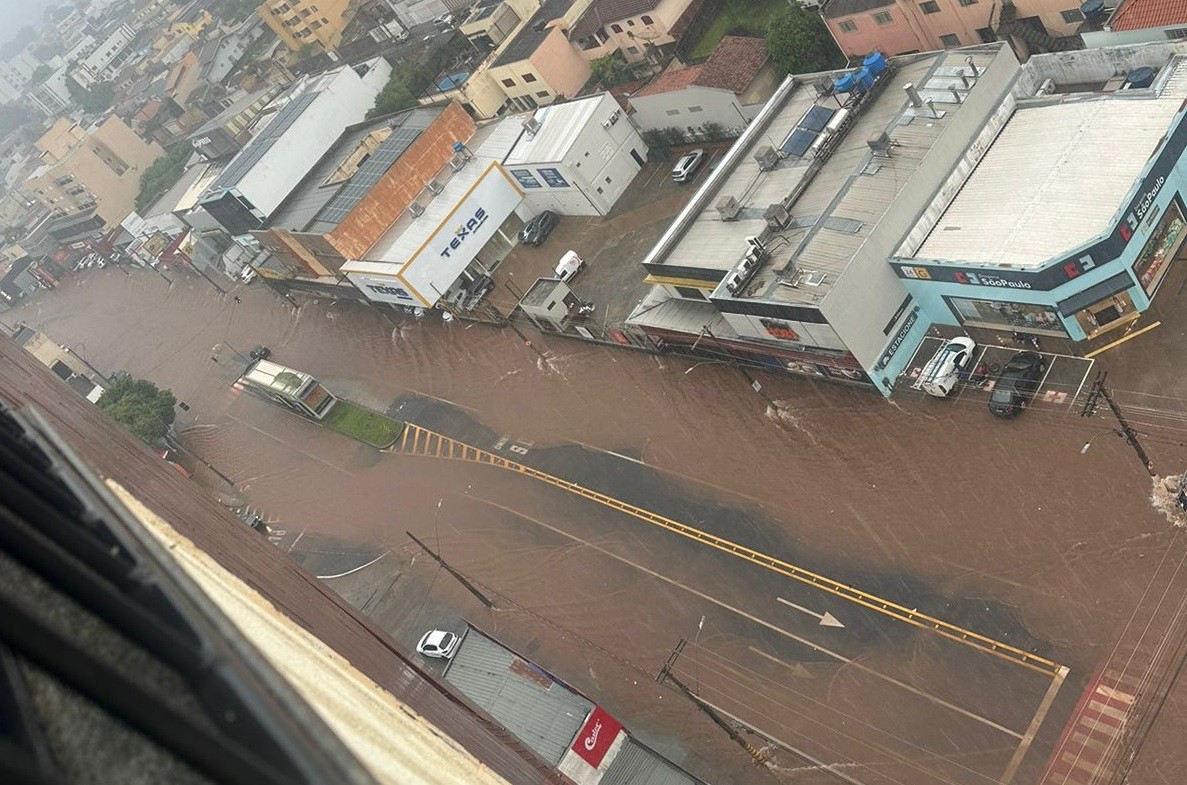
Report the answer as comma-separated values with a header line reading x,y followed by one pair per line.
x,y
162,175
799,43
140,406
98,98
39,74
611,70
394,96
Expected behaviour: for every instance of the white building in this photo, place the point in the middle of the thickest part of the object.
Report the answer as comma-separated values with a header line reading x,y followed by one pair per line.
x,y
308,119
574,158
15,75
106,58
580,158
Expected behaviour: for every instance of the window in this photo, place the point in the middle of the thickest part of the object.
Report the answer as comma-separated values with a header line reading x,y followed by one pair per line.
x,y
608,181
543,94
952,39
616,28
508,83
630,23
986,35
847,26
647,20
930,7
1073,16
696,109
528,77
883,18
967,2
314,24
689,293
1178,34
672,112
633,50
305,13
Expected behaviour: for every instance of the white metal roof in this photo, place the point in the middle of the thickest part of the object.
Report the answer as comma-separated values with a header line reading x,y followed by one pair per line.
x,y
1055,177
559,126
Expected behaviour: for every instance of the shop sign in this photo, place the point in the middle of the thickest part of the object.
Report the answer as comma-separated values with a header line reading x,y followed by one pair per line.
x,y
554,178
1099,253
596,736
464,230
525,178
897,341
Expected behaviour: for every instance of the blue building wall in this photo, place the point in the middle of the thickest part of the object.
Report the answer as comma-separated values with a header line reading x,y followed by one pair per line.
x,y
1098,280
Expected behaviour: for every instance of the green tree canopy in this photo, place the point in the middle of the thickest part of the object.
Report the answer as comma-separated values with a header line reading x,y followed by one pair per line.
x,y
98,98
140,406
799,43
162,175
611,70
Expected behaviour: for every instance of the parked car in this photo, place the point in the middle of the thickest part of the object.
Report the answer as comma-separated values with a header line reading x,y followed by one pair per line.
x,y
438,643
946,366
1016,384
445,20
569,265
535,231
686,168
260,352
247,274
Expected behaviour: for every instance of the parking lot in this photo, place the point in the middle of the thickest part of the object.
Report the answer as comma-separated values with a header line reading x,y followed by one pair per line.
x,y
1061,385
612,246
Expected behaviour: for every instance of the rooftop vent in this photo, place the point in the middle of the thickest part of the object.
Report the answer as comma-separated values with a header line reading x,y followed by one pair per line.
x,y
777,216
768,158
913,94
416,210
435,187
457,163
880,145
531,126
729,208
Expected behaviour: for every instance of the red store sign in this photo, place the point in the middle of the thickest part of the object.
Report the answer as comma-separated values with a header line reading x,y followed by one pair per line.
x,y
596,736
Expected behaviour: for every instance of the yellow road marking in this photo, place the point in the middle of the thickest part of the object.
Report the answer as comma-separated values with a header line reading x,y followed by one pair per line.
x,y
442,448
1120,341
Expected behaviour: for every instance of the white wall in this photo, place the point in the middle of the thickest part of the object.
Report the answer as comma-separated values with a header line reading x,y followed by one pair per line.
x,y
1101,38
653,112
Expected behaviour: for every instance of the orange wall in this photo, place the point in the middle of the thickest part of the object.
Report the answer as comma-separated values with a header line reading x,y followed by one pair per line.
x,y
389,197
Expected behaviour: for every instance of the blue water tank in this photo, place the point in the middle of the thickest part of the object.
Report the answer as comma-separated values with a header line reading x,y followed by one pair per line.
x,y
876,62
844,83
865,80
1093,10
1140,77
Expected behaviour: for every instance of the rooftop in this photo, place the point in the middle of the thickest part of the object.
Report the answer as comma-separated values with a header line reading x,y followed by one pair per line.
x,y
834,200
345,174
734,63
602,12
1056,174
1141,14
559,126
533,33
670,81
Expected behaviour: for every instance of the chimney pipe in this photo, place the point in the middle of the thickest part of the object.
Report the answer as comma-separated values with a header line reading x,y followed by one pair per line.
x,y
972,65
932,108
955,93
913,94
965,80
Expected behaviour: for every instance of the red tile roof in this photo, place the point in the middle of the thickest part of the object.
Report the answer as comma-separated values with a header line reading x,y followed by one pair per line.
x,y
671,81
602,12
732,66
1140,14
734,63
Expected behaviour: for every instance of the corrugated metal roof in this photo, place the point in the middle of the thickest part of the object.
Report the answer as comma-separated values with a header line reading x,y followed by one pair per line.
x,y
1054,178
560,125
637,765
538,710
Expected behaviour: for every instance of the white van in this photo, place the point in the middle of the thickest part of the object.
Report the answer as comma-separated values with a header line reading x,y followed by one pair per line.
x,y
946,366
569,265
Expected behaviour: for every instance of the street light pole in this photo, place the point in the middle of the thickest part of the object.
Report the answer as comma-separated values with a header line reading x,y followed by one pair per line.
x,y
1131,436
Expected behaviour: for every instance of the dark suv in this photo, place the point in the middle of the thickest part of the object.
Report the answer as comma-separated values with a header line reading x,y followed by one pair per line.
x,y
1016,384
536,230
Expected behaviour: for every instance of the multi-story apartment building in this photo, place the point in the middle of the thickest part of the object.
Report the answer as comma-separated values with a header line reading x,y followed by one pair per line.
x,y
632,27
107,57
902,26
95,168
300,23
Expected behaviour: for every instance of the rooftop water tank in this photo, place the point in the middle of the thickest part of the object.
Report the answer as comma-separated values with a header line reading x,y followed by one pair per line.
x,y
1093,10
876,62
865,80
1140,77
844,83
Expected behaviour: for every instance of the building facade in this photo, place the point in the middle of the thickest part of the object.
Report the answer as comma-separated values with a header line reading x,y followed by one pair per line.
x,y
635,28
106,59
96,168
301,23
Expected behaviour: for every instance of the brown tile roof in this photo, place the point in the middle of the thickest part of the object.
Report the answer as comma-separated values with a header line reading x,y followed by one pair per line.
x,y
734,63
1140,14
670,81
602,12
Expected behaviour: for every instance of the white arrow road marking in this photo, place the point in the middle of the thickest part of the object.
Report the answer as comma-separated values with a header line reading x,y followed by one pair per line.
x,y
826,618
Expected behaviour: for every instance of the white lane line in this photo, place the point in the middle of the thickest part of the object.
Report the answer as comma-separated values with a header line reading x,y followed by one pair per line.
x,y
750,617
826,619
1033,728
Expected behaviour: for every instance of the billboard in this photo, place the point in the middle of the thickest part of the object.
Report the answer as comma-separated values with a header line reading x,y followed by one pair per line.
x,y
596,736
461,235
385,289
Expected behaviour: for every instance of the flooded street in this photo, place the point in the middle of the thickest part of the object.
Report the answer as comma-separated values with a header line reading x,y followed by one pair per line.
x,y
1003,528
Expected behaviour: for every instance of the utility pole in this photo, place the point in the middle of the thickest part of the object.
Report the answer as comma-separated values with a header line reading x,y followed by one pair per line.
x,y
1099,391
469,586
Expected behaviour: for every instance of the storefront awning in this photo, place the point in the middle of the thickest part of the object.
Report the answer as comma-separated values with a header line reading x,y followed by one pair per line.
x,y
1095,293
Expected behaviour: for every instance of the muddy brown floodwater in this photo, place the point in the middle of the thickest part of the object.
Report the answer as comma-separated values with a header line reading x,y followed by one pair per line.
x,y
921,498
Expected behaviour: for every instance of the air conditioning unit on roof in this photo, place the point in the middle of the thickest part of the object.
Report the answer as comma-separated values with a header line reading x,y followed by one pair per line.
x,y
416,209
729,208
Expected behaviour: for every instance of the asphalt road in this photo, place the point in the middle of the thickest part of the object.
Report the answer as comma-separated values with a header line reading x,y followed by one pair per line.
x,y
1003,528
